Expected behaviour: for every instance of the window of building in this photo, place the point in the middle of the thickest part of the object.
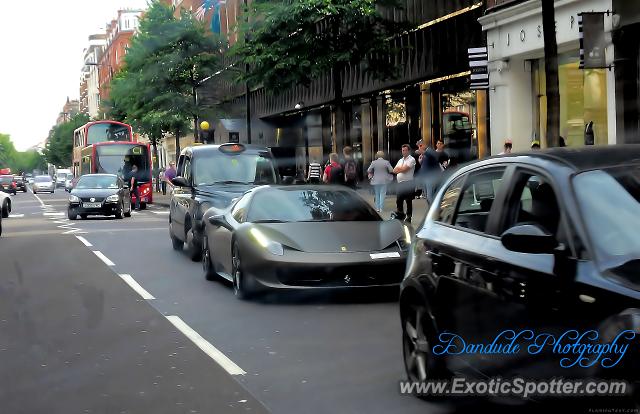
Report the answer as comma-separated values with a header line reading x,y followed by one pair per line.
x,y
583,99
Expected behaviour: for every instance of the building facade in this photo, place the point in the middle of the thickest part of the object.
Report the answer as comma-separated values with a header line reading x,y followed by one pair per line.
x,y
90,74
70,109
118,36
517,75
430,99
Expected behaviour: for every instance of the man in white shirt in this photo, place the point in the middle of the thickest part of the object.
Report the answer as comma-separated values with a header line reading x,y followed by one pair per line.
x,y
406,188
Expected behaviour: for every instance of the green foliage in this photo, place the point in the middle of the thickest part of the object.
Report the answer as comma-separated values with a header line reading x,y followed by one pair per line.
x,y
26,161
166,61
59,149
293,42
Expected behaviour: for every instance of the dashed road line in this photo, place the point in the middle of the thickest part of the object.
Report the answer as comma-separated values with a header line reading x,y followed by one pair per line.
x,y
84,241
206,346
104,258
16,215
136,286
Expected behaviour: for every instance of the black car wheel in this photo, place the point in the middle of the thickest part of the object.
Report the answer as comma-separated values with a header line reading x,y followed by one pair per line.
x,y
128,212
176,243
240,287
84,216
143,206
5,209
71,213
419,361
194,251
207,266
120,212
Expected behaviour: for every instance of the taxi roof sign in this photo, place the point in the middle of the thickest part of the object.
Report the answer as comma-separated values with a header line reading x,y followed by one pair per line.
x,y
232,148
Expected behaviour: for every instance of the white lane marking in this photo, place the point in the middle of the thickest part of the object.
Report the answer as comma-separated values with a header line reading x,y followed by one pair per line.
x,y
75,231
104,258
53,214
136,286
36,196
161,212
16,215
84,241
206,346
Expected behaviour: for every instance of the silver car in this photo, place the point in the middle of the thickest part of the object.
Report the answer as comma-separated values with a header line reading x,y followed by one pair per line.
x,y
43,183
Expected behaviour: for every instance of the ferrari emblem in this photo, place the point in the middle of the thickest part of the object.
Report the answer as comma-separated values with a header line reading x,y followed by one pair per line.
x,y
343,248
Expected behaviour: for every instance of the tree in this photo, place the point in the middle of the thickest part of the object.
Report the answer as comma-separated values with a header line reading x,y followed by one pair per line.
x,y
293,42
167,60
18,160
551,73
59,148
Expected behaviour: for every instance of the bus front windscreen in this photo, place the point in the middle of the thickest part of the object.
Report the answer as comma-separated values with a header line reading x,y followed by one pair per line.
x,y
107,131
120,158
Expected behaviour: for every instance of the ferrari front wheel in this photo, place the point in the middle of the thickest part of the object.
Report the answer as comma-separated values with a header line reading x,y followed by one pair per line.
x,y
240,287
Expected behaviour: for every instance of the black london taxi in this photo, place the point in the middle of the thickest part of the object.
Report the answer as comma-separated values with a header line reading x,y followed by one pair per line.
x,y
545,241
213,176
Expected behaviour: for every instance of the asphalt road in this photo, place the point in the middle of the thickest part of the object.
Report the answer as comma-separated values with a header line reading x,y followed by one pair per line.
x,y
68,321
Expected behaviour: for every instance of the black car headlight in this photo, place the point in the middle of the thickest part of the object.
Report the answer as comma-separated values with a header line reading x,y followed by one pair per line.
x,y
112,198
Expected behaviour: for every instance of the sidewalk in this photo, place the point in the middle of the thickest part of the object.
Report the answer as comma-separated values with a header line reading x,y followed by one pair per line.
x,y
419,205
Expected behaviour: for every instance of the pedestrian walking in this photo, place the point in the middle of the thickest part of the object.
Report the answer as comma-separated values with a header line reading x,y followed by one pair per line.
x,y
333,173
443,158
163,183
380,173
406,188
134,184
429,170
170,174
350,168
315,172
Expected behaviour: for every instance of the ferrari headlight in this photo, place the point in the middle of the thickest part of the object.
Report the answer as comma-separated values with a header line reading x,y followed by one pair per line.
x,y
271,246
112,198
74,199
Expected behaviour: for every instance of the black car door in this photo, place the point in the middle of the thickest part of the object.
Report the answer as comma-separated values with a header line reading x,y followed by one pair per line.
x,y
181,199
458,258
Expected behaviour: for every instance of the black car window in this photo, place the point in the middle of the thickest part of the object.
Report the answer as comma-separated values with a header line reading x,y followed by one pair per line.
x,y
449,201
239,211
478,195
187,169
218,167
536,203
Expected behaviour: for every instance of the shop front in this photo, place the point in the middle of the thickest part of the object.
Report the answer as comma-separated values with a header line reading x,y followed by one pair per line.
x,y
517,79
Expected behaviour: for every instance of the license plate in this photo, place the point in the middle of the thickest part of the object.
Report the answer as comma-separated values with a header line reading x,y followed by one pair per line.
x,y
91,205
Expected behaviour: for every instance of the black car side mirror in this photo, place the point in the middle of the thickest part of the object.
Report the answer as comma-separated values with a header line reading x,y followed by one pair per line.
x,y
180,182
287,180
529,238
219,221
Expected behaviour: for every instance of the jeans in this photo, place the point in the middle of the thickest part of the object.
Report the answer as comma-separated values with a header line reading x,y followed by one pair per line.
x,y
380,191
136,193
406,192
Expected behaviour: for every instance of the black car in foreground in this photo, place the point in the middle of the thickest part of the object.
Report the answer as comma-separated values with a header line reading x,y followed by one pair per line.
x,y
542,244
213,176
21,183
99,194
303,237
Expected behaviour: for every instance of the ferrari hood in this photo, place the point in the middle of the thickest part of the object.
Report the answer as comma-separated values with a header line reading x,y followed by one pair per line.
x,y
335,237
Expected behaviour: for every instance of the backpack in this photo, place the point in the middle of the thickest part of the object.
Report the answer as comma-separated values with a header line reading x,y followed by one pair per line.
x,y
350,170
336,175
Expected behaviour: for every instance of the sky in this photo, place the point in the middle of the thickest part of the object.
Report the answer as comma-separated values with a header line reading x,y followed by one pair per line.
x,y
41,55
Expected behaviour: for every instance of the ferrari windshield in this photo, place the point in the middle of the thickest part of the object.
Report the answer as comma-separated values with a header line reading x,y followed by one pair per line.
x,y
611,213
309,205
97,181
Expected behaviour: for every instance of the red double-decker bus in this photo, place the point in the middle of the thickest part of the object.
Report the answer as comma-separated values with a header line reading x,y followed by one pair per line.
x,y
119,158
96,132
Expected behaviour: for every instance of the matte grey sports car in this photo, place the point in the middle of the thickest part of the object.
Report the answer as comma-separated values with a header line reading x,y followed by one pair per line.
x,y
303,237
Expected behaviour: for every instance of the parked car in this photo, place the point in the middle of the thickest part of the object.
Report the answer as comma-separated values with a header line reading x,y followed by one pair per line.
x,y
8,184
5,204
303,237
43,183
212,176
547,241
99,194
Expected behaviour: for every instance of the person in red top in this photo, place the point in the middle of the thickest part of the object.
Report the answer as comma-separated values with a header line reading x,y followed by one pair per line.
x,y
333,173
